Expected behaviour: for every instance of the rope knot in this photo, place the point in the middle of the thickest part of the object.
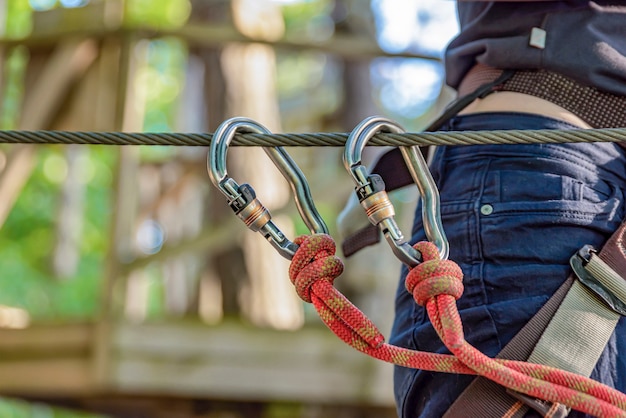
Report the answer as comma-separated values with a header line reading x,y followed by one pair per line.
x,y
314,260
433,277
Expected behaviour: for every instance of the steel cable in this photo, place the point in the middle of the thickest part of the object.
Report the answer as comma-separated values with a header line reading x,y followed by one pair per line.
x,y
318,139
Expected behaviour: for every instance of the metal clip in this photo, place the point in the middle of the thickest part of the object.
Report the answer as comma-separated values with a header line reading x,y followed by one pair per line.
x,y
370,190
545,408
242,199
598,285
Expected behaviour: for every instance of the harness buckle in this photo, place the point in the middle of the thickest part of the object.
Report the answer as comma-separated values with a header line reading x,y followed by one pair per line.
x,y
242,198
604,283
545,408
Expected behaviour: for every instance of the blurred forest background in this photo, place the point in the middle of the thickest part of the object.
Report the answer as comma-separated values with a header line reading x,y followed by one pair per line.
x,y
119,264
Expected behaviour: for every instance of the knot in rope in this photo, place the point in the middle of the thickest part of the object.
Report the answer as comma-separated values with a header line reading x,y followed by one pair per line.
x,y
314,260
434,276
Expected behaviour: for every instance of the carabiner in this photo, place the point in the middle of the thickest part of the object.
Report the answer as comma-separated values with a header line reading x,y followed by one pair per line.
x,y
242,199
370,190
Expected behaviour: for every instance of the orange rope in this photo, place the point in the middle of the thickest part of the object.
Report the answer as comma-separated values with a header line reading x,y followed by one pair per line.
x,y
437,284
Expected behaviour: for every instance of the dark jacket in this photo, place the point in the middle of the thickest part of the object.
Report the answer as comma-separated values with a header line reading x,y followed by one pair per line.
x,y
585,40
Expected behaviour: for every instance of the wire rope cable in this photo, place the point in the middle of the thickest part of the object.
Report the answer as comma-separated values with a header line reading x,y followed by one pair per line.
x,y
331,139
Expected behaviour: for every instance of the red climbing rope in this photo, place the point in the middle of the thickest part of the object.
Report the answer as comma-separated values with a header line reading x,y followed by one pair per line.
x,y
437,284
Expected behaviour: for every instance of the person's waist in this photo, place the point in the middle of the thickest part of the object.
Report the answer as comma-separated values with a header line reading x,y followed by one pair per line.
x,y
548,94
507,101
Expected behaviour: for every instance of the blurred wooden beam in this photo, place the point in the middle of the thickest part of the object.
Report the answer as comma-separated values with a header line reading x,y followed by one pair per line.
x,y
50,359
42,100
59,376
97,15
218,237
123,115
347,46
50,32
232,361
49,87
189,359
45,341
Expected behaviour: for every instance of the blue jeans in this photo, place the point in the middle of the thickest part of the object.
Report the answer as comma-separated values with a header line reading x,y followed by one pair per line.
x,y
514,214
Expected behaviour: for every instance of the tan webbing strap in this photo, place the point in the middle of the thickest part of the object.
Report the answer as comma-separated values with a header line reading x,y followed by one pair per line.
x,y
581,324
577,334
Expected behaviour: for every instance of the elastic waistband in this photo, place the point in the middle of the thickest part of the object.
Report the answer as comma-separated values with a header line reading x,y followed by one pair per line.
x,y
597,108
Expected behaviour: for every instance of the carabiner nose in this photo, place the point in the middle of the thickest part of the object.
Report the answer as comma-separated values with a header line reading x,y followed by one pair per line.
x,y
370,190
242,199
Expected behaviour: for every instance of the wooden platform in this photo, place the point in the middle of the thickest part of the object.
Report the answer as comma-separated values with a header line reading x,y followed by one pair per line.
x,y
186,359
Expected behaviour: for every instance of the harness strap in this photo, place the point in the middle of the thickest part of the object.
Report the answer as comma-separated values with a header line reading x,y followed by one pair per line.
x,y
569,332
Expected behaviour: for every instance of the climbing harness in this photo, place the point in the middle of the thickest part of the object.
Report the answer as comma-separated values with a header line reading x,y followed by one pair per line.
x,y
570,331
242,198
435,283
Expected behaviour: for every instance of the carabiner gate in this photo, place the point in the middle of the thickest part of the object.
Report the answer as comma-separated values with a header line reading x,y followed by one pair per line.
x,y
370,190
242,199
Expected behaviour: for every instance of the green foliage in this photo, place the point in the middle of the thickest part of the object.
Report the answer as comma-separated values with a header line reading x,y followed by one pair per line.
x,y
309,19
160,82
10,408
19,19
157,13
298,15
11,101
283,410
28,237
29,234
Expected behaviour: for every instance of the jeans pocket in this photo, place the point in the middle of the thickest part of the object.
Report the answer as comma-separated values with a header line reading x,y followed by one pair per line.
x,y
543,217
553,195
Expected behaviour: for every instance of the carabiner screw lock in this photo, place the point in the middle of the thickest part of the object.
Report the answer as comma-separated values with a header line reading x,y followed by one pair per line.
x,y
242,199
370,189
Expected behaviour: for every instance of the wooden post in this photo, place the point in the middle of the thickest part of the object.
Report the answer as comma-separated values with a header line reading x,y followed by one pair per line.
x,y
117,113
250,74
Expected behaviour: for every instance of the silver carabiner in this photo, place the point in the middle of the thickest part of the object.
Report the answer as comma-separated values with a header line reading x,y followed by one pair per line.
x,y
242,199
370,190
